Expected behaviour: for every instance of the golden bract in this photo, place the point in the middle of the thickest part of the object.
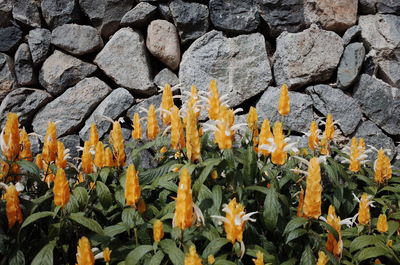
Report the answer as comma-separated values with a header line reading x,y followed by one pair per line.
x,y
84,255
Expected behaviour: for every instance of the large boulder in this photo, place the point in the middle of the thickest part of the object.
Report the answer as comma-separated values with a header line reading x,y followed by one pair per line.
x,y
61,70
24,66
350,64
389,71
163,43
25,101
166,76
240,65
343,108
71,142
6,7
379,102
351,34
191,19
116,103
125,60
140,15
27,12
72,107
234,16
76,39
301,112
388,7
306,57
7,75
10,37
39,44
59,12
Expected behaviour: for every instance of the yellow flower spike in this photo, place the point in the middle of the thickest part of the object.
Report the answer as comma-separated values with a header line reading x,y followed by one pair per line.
x,y
322,258
61,188
211,259
49,152
10,137
99,155
132,188
312,198
252,122
107,254
87,160
377,261
183,216
25,145
61,160
363,211
279,155
301,204
379,167
260,258
93,136
192,103
325,145
265,134
152,124
192,258
214,174
387,172
158,231
355,152
108,158
84,254
192,137
382,225
313,138
213,101
284,101
177,135
167,103
4,168
13,209
141,206
329,128
137,128
117,142
49,178
332,245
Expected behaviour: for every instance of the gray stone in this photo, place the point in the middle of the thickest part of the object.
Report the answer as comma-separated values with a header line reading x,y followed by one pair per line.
x,y
39,44
306,57
10,37
27,12
59,12
191,19
331,15
112,107
166,76
381,32
72,107
71,142
379,102
140,15
389,71
366,7
301,113
163,43
163,9
106,15
388,7
25,101
36,142
7,75
61,70
343,108
350,64
76,39
24,66
6,7
240,65
234,16
374,136
283,15
125,60
351,34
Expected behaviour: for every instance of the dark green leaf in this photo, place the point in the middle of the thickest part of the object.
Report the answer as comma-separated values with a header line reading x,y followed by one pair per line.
x,y
307,258
157,258
104,174
131,217
249,166
29,167
104,194
205,173
214,246
135,255
272,208
81,196
87,222
45,255
175,255
296,222
371,252
363,241
115,229
34,217
17,259
295,234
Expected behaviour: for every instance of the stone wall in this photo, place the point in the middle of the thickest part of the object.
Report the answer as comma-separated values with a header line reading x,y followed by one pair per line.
x,y
77,61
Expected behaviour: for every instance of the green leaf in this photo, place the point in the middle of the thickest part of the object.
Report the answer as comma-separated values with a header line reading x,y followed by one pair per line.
x,y
17,259
295,234
87,222
131,217
45,255
291,261
135,255
365,240
148,176
175,255
307,258
217,196
371,252
258,188
104,172
29,167
34,217
157,258
214,246
104,194
294,223
249,166
205,173
81,195
224,262
272,208
117,229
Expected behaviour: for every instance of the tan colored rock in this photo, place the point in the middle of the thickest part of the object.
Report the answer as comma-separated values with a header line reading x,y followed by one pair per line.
x,y
337,15
163,42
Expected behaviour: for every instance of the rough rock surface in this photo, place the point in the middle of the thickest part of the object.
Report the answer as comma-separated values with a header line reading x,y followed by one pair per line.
x,y
234,16
343,108
7,76
283,15
163,9
388,7
389,71
116,103
332,15
350,64
39,44
6,7
125,60
61,70
301,113
72,107
306,57
76,39
191,19
240,65
71,142
351,34
24,66
59,12
27,12
163,43
166,76
10,37
140,15
379,102
24,101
